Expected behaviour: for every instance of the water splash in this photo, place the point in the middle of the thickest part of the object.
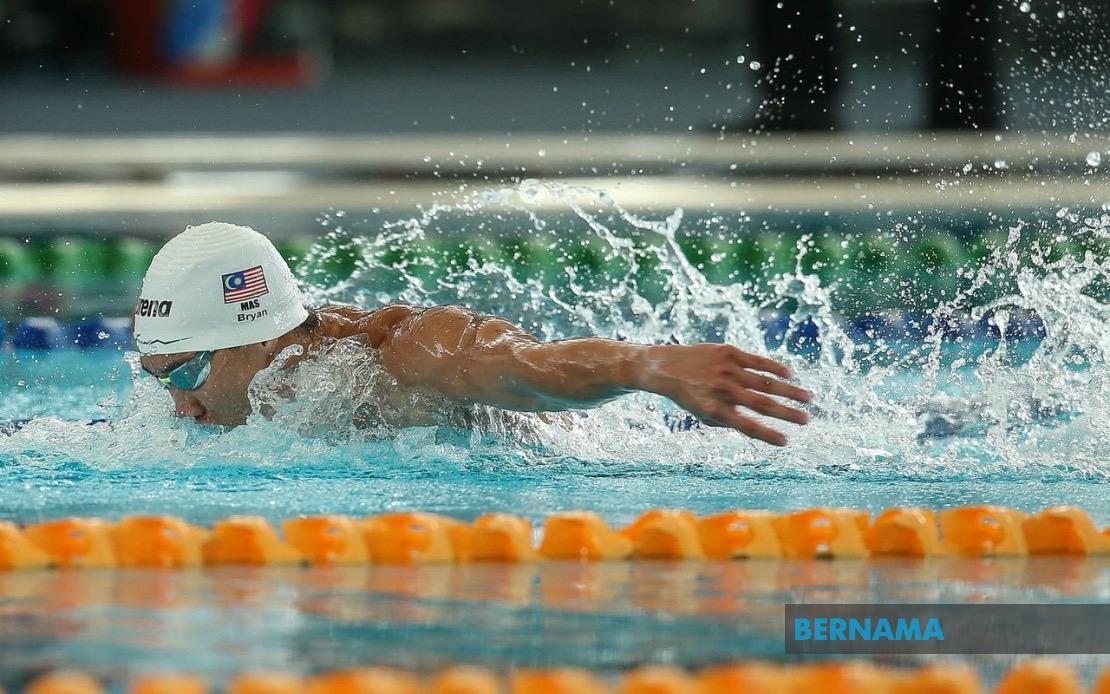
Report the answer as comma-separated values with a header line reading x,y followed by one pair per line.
x,y
968,394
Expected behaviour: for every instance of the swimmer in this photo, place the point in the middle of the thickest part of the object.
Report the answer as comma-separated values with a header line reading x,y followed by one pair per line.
x,y
218,303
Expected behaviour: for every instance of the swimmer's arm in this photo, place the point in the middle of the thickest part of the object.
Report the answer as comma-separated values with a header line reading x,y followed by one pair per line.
x,y
482,359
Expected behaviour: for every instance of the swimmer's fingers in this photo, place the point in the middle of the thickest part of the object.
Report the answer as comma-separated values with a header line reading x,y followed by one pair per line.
x,y
758,363
727,416
766,406
772,386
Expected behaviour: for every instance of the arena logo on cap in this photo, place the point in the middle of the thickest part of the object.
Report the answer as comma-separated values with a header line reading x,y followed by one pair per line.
x,y
244,284
154,308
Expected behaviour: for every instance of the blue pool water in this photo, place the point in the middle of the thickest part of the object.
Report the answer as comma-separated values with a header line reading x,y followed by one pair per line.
x,y
943,419
143,460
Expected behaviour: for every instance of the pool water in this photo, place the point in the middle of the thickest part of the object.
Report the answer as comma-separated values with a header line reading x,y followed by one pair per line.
x,y
608,617
935,414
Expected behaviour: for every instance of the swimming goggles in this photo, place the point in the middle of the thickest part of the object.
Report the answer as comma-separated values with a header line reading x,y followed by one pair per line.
x,y
189,375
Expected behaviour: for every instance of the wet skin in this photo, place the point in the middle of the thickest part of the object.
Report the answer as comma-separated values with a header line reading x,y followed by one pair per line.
x,y
472,358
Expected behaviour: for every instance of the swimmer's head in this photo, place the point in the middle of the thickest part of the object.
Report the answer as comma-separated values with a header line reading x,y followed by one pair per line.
x,y
215,305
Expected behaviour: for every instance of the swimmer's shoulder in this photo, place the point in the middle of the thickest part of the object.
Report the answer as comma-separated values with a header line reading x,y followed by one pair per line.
x,y
345,321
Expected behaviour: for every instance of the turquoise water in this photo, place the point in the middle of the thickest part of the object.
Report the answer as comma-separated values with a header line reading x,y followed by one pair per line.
x,y
57,465
941,417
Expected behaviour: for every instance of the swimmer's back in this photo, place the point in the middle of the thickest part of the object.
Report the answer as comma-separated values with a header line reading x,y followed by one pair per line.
x,y
346,321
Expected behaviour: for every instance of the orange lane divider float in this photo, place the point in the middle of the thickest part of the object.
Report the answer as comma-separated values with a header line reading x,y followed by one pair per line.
x,y
416,538
65,682
658,680
840,678
1040,677
582,535
739,535
1035,676
832,533
167,684
73,542
744,677
17,551
904,532
246,540
936,679
265,683
1064,530
555,681
984,531
1102,683
408,538
465,680
368,680
665,534
499,537
327,540
157,542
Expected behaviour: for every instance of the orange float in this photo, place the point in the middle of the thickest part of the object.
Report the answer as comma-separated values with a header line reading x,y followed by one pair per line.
x,y
465,680
64,682
904,532
1039,677
665,534
157,542
326,540
744,677
582,536
167,684
500,537
412,538
937,679
246,540
1063,530
739,535
555,681
74,542
658,680
369,680
983,531
1102,683
17,551
265,683
849,677
821,533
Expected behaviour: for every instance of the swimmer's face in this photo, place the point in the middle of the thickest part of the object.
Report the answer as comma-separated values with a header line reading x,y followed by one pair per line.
x,y
222,399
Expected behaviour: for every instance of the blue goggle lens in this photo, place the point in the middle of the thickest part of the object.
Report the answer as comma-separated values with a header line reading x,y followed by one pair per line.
x,y
190,375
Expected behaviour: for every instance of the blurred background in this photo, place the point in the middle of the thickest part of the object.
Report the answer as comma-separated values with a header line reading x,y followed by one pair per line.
x,y
490,66
122,121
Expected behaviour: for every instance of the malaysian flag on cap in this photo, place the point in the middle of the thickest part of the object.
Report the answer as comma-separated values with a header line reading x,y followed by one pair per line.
x,y
245,284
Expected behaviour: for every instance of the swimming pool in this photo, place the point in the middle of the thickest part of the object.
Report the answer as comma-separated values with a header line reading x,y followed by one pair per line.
x,y
990,389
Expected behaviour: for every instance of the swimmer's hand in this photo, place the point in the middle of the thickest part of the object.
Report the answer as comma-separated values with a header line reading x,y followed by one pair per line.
x,y
711,380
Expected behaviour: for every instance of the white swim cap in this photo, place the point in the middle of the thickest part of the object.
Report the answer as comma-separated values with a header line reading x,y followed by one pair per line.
x,y
214,286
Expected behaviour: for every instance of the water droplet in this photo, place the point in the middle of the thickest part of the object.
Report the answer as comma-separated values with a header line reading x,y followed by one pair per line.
x,y
1025,7
740,60
1094,159
755,65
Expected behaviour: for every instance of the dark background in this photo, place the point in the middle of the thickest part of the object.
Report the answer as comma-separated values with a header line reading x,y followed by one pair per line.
x,y
649,66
